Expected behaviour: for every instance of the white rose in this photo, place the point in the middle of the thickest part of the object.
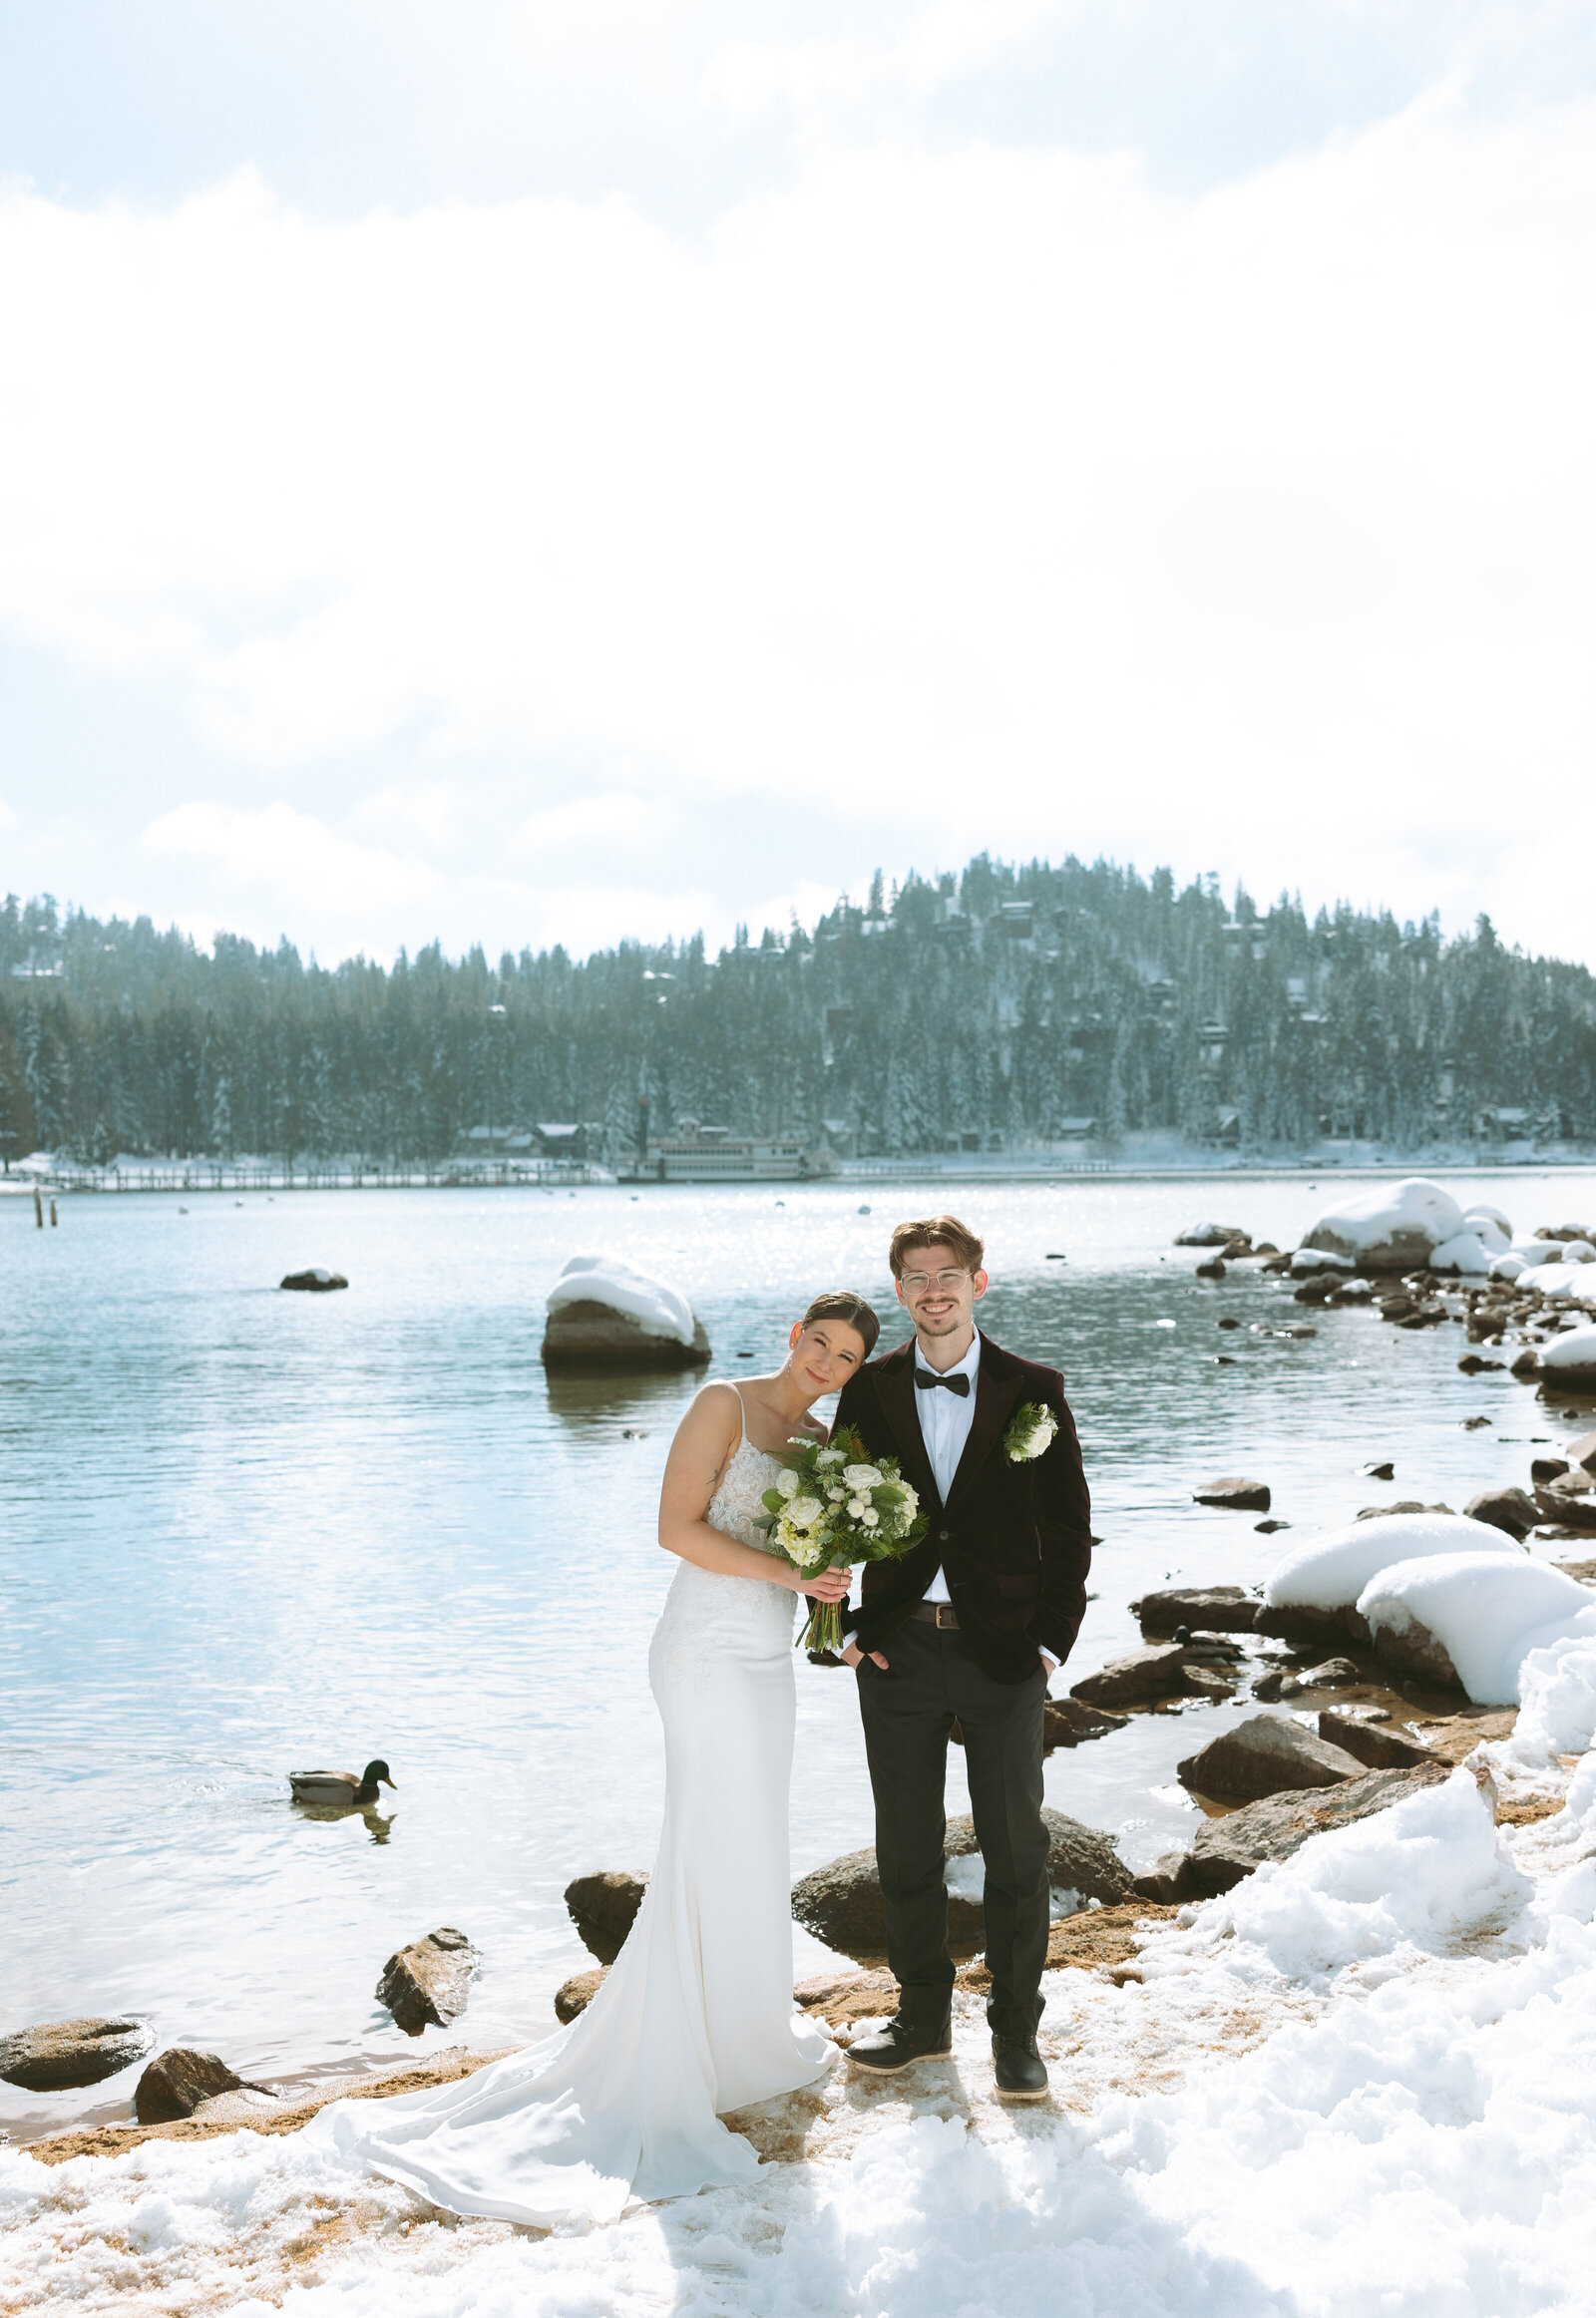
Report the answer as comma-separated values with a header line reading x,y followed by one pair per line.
x,y
910,1503
787,1483
804,1510
836,1496
861,1477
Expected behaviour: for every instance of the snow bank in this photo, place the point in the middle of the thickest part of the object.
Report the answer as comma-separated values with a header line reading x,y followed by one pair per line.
x,y
1535,1252
1467,1252
1393,1227
659,1308
1426,1874
1557,1686
1488,1610
1573,1352
1332,1571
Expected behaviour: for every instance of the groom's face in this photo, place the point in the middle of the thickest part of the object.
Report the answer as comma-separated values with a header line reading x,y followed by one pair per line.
x,y
937,1292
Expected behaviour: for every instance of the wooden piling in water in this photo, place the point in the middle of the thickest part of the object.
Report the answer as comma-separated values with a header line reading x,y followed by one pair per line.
x,y
38,1208
52,1217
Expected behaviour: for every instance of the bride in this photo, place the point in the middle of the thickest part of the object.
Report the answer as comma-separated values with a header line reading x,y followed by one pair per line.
x,y
696,2014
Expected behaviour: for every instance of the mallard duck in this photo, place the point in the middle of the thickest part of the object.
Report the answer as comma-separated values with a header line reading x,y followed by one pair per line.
x,y
341,1787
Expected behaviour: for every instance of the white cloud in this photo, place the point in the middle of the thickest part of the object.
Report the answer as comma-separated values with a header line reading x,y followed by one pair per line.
x,y
281,868
936,502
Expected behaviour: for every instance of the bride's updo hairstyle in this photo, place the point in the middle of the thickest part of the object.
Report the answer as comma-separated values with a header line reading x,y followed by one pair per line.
x,y
842,1304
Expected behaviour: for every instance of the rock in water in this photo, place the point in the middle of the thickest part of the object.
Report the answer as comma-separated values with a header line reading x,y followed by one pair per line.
x,y
1393,1228
1135,1679
603,1908
62,2055
576,1993
317,1282
1210,1236
841,1903
1218,1609
1230,1848
176,2083
1510,1510
1235,1493
1266,1754
1568,1363
1378,1749
427,1984
1070,1722
605,1314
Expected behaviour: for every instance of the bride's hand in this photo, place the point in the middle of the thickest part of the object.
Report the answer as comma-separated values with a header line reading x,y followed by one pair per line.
x,y
830,1586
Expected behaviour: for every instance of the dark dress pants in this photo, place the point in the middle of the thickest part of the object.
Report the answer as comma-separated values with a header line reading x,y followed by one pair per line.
x,y
930,1678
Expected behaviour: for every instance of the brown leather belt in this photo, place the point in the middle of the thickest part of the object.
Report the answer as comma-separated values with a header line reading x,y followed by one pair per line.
x,y
938,1614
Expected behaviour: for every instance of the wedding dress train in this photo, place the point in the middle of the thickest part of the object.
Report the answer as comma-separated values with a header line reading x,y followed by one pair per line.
x,y
695,2017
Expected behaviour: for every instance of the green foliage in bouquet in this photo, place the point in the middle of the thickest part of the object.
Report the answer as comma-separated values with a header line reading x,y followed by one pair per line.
x,y
835,1507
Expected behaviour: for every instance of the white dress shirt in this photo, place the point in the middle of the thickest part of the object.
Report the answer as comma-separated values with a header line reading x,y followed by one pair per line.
x,y
945,1422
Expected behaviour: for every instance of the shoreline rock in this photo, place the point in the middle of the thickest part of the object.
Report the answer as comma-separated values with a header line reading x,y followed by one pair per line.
x,y
428,1984
1235,1494
62,2056
1227,1850
316,1282
603,1908
177,2081
1267,1755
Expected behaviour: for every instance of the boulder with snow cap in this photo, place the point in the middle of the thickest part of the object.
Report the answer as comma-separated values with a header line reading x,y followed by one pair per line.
x,y
1465,1252
1327,1575
605,1314
1477,1614
1211,1236
1568,1362
1392,1228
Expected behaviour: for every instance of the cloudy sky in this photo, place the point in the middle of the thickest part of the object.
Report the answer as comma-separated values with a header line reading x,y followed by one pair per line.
x,y
557,470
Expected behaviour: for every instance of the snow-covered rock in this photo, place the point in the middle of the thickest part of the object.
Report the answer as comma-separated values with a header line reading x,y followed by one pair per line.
x,y
1490,1224
1563,1279
1330,1572
1308,1260
604,1313
1570,1359
1533,1252
1467,1252
1392,1228
1507,1267
1486,1611
1578,1251
1557,1690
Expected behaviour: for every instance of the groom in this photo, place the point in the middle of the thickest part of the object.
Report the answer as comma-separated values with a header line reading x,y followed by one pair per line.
x,y
970,1625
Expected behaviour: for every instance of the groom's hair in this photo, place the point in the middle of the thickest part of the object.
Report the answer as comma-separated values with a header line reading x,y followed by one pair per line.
x,y
842,1304
936,1231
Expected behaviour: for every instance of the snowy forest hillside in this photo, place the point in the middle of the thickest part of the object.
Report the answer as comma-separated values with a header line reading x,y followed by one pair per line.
x,y
982,1012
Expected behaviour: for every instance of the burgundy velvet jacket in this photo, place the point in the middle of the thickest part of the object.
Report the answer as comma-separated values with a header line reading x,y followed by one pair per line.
x,y
1014,1539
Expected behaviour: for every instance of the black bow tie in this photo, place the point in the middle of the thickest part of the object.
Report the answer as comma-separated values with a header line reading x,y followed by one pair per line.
x,y
926,1381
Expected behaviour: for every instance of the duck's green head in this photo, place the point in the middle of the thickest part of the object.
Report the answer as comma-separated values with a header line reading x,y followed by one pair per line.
x,y
379,1771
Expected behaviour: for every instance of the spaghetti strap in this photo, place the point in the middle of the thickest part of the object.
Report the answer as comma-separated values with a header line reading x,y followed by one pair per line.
x,y
742,1415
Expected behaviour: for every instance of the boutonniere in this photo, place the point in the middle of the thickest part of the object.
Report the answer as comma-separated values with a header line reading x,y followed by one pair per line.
x,y
1030,1431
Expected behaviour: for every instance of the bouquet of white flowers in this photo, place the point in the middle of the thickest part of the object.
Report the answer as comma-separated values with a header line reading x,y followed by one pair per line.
x,y
1030,1432
836,1506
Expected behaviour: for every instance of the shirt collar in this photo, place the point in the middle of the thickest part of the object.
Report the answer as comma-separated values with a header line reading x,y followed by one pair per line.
x,y
965,1367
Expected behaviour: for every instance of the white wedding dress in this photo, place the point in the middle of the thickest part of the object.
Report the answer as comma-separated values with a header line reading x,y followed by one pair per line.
x,y
696,2016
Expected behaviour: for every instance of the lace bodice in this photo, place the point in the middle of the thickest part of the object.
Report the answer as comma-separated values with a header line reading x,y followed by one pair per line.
x,y
736,1504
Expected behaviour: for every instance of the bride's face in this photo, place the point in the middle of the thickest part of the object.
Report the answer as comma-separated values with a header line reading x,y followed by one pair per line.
x,y
823,1355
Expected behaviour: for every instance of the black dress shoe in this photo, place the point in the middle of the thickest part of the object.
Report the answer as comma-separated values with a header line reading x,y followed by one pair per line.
x,y
1020,2071
899,2045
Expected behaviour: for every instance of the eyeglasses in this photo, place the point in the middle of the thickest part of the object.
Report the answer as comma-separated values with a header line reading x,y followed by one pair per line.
x,y
916,1283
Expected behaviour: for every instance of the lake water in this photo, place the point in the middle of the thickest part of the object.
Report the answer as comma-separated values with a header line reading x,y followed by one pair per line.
x,y
244,1532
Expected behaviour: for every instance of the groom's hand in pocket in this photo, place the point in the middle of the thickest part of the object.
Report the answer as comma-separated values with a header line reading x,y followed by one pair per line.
x,y
853,1656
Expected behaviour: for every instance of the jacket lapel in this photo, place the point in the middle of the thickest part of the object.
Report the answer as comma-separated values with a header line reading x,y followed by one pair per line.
x,y
895,1388
997,1382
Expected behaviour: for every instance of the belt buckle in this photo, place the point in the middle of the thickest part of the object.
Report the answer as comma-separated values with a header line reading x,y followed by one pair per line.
x,y
946,1620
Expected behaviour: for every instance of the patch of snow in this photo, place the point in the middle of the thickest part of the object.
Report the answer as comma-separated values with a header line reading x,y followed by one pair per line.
x,y
1425,1875
1407,1218
1488,1610
1507,1267
1534,1252
1467,1253
1575,1348
659,1308
1330,1570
